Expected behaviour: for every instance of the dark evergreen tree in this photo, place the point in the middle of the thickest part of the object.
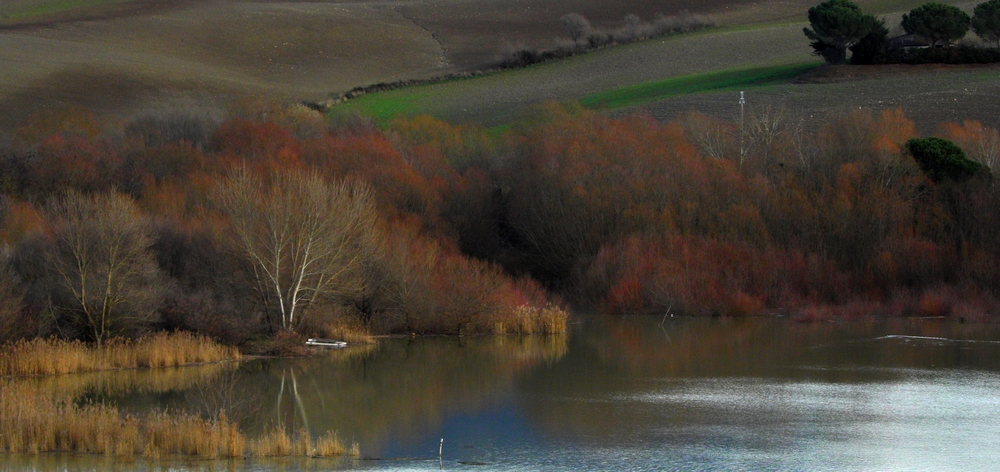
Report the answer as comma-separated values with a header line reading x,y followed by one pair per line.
x,y
871,48
837,25
943,161
939,23
986,21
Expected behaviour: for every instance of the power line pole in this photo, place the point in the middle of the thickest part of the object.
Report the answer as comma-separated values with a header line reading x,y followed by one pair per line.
x,y
743,151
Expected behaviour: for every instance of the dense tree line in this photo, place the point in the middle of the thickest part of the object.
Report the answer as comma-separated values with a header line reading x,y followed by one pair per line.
x,y
858,216
238,228
276,219
837,26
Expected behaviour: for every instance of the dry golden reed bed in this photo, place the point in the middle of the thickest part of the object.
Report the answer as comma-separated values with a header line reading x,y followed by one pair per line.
x,y
33,423
529,320
55,356
35,420
348,329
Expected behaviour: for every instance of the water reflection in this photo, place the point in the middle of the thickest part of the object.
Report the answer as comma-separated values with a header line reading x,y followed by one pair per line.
x,y
754,347
87,462
641,392
404,388
617,362
129,381
750,394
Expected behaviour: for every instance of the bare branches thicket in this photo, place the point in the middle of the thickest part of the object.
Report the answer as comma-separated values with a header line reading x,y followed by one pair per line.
x,y
583,36
11,305
305,239
985,146
576,25
635,29
713,137
157,129
100,259
633,26
763,130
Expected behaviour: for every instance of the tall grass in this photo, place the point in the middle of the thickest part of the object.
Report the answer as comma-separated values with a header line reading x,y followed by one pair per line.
x,y
55,356
278,443
526,319
32,422
183,434
347,328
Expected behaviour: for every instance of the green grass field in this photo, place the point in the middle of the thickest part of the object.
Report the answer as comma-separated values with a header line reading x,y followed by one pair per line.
x,y
736,79
641,71
385,106
410,101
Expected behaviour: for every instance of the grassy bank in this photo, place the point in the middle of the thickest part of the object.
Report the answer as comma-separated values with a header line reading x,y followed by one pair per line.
x,y
56,356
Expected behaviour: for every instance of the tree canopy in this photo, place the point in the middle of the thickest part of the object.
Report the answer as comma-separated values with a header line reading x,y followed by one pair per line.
x,y
942,160
986,21
576,26
937,22
305,238
837,25
871,48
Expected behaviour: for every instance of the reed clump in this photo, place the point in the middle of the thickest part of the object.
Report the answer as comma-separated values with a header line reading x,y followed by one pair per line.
x,y
330,445
278,443
180,348
351,331
54,356
526,319
32,422
274,443
190,435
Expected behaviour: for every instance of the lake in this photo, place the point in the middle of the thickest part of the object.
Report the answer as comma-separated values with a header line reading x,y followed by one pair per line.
x,y
617,393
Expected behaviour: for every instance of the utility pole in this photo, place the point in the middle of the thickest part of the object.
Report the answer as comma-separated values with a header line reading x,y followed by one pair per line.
x,y
743,151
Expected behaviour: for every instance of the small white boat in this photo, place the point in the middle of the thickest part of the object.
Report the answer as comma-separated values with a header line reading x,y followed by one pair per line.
x,y
325,343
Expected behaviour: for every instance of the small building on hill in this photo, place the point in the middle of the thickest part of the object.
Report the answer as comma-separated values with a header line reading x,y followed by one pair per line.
x,y
909,41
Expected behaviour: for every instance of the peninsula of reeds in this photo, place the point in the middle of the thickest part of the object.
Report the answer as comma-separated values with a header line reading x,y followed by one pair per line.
x,y
35,418
52,356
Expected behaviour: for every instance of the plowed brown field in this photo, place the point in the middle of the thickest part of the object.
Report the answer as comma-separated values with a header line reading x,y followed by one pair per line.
x,y
119,57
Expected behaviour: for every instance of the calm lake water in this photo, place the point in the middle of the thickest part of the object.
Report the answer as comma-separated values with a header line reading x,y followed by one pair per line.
x,y
634,393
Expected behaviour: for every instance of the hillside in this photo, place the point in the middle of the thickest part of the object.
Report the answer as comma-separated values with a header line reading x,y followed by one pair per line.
x,y
120,57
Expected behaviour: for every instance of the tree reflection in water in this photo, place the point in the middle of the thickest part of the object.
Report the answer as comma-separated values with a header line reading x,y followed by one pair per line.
x,y
401,388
